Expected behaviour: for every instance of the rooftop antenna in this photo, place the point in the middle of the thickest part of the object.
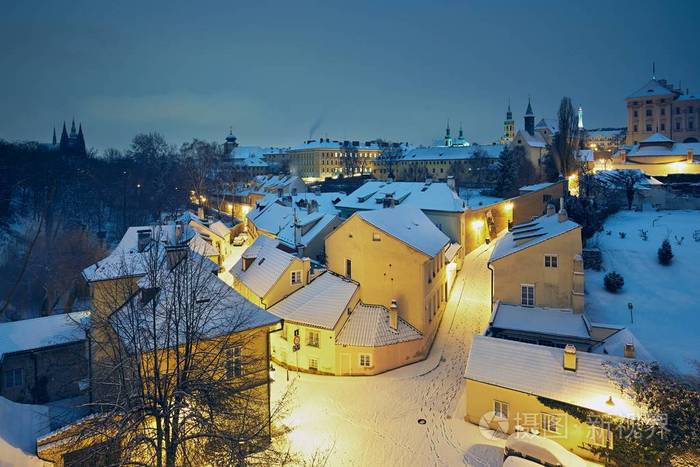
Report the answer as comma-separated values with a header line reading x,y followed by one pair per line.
x,y
653,70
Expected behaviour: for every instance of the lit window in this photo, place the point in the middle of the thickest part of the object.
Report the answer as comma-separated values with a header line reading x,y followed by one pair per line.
x,y
296,277
550,261
312,338
365,360
376,237
527,295
500,409
348,268
551,423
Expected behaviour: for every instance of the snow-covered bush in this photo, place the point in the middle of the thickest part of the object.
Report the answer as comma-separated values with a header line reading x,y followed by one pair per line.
x,y
613,282
665,253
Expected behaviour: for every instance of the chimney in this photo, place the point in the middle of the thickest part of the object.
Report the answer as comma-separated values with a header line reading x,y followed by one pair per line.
x,y
570,357
178,231
389,201
451,183
175,254
247,262
428,180
200,212
629,351
550,209
690,156
563,216
394,316
312,206
144,237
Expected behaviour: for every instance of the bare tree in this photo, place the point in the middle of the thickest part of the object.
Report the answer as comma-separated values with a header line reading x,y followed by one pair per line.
x,y
180,372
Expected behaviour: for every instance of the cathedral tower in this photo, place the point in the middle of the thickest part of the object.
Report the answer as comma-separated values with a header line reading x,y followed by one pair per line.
x,y
529,118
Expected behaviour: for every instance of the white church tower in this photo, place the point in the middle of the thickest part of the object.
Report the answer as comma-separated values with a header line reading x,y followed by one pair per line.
x,y
580,118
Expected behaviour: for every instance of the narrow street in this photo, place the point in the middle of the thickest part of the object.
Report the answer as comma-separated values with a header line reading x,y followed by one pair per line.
x,y
373,421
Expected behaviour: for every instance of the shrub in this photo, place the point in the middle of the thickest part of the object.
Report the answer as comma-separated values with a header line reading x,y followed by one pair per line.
x,y
665,253
613,282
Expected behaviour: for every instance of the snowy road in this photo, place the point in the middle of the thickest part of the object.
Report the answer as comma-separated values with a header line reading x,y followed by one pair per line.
x,y
373,421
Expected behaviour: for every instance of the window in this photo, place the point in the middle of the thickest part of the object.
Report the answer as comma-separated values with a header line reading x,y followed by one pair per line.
x,y
296,277
649,113
648,127
527,294
690,124
348,268
690,110
546,198
663,127
551,423
376,237
599,436
312,338
678,111
678,125
14,378
636,114
636,128
550,261
663,111
500,409
233,363
365,360
313,364
283,333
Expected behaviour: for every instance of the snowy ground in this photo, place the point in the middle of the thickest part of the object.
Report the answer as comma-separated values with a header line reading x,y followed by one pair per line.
x,y
20,425
373,421
475,199
665,298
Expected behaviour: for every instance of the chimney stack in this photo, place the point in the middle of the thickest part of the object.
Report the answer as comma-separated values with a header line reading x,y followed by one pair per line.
x,y
144,237
570,357
394,316
200,212
550,209
175,254
629,351
451,183
563,215
389,201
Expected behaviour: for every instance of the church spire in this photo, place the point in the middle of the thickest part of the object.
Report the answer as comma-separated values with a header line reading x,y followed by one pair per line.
x,y
529,118
54,136
448,138
461,133
72,128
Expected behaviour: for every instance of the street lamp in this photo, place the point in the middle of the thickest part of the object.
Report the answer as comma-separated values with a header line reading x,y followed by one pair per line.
x,y
630,307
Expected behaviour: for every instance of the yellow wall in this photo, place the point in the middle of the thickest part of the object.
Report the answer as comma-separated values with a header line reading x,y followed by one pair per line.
x,y
389,269
553,286
524,408
281,288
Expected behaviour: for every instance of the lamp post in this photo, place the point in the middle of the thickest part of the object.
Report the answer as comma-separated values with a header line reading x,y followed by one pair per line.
x,y
630,307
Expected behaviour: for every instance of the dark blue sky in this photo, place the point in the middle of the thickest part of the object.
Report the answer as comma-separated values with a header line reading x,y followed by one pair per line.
x,y
360,69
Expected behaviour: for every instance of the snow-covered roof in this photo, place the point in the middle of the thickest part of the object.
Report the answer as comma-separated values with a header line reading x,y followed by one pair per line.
x,y
605,133
30,334
538,370
126,259
688,97
438,153
663,147
585,155
535,187
321,303
223,311
615,345
409,225
452,251
540,320
656,138
426,196
535,140
551,124
531,233
651,88
269,263
250,156
271,183
325,143
368,326
314,211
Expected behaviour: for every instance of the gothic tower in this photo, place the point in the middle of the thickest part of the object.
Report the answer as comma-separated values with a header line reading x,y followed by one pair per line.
x,y
529,118
508,127
580,118
448,138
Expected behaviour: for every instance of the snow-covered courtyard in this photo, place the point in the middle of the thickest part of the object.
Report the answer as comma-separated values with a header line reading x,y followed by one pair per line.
x,y
373,421
665,315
